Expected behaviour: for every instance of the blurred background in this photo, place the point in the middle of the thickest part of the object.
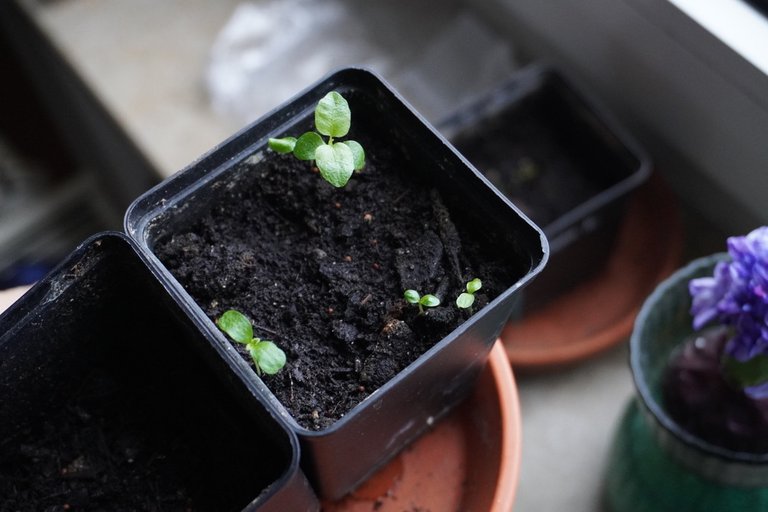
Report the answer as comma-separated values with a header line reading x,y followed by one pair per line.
x,y
101,99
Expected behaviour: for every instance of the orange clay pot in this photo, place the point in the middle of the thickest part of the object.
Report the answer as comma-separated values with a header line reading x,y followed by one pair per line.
x,y
469,461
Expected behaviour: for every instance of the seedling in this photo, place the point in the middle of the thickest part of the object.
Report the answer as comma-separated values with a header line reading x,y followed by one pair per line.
x,y
466,299
526,171
423,301
267,356
335,160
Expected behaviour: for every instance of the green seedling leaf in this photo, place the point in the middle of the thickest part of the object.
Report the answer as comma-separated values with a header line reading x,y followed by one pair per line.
x,y
474,285
332,115
267,356
306,145
748,373
358,154
411,296
335,162
236,325
284,145
465,300
429,301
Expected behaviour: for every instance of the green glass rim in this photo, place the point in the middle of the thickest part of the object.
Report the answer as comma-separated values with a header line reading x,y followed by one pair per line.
x,y
693,451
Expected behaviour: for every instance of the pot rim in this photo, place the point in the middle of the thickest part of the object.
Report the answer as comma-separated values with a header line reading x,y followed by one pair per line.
x,y
681,443
511,436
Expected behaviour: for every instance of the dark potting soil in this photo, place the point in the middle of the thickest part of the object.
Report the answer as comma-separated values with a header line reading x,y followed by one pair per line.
x,y
321,271
538,158
702,401
94,453
105,405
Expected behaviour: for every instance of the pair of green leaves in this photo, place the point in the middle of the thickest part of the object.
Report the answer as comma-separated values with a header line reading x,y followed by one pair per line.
x,y
267,356
466,299
423,301
463,301
335,160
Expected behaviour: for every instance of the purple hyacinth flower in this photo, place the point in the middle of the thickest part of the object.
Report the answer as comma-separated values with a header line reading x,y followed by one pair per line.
x,y
737,296
707,292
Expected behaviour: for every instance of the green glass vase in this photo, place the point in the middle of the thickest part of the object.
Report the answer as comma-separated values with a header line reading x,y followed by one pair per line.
x,y
655,465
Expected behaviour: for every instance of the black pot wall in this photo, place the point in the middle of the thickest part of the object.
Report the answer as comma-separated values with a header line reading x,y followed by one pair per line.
x,y
537,112
342,456
100,342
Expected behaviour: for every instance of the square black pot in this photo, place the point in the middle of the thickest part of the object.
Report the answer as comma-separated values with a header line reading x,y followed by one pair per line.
x,y
112,400
341,456
585,167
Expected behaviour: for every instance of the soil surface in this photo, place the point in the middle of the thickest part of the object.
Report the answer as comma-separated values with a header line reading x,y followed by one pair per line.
x,y
321,272
94,452
701,400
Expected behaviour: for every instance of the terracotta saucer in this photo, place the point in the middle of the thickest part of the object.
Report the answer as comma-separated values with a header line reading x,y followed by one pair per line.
x,y
599,313
469,461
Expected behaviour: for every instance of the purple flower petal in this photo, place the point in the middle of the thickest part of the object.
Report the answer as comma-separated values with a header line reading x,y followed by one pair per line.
x,y
737,295
758,391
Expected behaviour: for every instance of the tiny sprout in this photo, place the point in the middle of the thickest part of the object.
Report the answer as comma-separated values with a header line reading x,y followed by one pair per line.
x,y
428,300
466,299
267,356
335,160
526,171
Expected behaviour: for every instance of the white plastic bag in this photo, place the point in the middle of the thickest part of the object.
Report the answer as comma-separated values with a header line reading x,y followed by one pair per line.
x,y
271,49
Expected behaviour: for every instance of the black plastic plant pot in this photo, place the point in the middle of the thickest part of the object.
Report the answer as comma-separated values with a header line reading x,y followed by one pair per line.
x,y
417,216
112,400
560,157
